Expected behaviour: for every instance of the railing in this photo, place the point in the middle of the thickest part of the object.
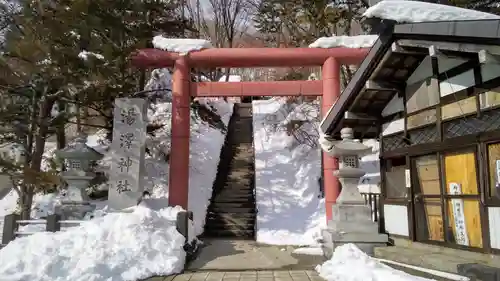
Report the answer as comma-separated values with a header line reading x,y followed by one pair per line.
x,y
373,200
12,222
53,223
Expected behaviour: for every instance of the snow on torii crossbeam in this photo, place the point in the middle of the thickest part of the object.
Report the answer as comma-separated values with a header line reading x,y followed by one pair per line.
x,y
183,89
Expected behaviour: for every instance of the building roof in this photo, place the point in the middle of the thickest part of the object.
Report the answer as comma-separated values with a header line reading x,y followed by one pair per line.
x,y
393,58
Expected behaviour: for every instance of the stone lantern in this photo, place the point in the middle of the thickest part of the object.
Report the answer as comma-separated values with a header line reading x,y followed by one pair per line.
x,y
79,159
351,216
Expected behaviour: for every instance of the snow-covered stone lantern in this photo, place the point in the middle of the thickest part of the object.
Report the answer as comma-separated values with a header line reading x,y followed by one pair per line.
x,y
79,159
351,216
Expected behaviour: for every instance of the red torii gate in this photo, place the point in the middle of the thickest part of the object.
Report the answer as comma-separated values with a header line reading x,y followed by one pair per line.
x,y
328,88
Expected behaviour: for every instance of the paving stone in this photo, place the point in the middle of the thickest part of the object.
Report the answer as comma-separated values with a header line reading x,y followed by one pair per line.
x,y
282,273
265,278
199,276
182,277
156,278
279,278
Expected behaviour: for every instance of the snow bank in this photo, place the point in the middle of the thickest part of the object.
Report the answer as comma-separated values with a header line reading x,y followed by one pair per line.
x,y
290,211
404,11
180,45
118,246
359,41
351,264
287,173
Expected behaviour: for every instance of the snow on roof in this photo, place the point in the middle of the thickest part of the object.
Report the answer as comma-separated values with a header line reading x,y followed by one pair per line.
x,y
359,41
404,11
180,45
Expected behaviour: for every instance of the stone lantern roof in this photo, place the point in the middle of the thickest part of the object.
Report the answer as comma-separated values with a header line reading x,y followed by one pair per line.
x,y
79,149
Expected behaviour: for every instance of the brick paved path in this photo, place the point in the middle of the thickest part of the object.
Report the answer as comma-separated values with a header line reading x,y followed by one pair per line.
x,y
266,275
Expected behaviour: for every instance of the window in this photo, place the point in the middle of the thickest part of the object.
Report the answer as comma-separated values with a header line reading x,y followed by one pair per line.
x,y
490,98
421,119
459,108
494,169
395,178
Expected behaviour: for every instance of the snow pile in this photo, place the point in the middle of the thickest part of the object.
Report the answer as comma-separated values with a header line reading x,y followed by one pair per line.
x,y
358,41
404,11
290,210
180,45
351,264
118,246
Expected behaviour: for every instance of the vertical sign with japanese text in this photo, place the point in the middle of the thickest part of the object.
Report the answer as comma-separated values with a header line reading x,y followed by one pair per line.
x,y
458,215
127,150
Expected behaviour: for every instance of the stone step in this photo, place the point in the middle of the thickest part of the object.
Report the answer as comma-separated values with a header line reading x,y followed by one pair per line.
x,y
230,220
224,225
231,216
217,209
233,199
225,205
235,234
231,193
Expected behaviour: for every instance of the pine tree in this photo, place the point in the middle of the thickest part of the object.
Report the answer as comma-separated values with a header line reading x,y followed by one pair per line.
x,y
70,53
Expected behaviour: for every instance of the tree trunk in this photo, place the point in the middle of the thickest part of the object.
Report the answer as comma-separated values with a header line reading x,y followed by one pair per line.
x,y
25,202
60,130
30,183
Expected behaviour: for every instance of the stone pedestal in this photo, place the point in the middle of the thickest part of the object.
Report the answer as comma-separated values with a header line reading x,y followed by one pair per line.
x,y
352,219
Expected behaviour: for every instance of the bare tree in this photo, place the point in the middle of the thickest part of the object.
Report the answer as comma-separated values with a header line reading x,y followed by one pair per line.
x,y
223,22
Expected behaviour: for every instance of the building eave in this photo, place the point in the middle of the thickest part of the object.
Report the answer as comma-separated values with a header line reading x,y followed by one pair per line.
x,y
458,35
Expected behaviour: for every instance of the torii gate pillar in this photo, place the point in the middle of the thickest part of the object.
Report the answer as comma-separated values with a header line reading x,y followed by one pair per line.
x,y
179,153
331,91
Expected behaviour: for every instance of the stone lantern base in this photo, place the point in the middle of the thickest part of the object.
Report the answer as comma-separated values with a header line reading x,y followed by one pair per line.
x,y
74,210
352,223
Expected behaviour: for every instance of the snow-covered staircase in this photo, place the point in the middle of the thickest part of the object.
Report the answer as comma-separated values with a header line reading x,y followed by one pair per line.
x,y
232,210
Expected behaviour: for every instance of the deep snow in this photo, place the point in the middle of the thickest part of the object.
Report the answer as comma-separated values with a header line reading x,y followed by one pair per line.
x,y
290,211
290,208
118,246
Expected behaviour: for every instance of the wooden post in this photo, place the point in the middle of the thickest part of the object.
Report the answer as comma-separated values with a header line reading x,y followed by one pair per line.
x,y
9,228
53,223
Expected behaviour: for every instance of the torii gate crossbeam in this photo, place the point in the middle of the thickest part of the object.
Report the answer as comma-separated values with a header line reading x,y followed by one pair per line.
x,y
328,88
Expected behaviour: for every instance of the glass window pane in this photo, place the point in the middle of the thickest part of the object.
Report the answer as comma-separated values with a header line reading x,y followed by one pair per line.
x,y
494,168
459,108
460,173
395,178
429,219
427,174
421,119
490,98
464,222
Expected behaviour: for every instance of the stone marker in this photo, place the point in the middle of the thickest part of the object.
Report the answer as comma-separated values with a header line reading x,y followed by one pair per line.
x,y
127,153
